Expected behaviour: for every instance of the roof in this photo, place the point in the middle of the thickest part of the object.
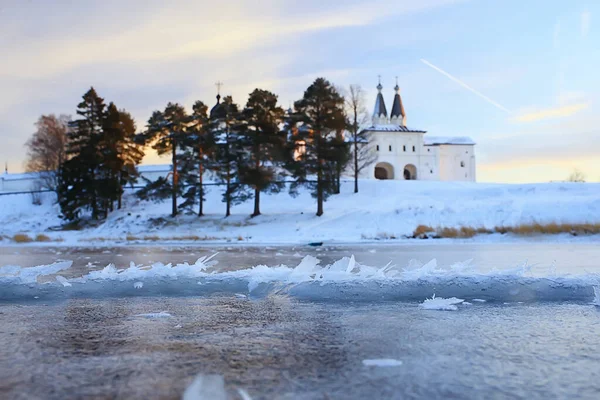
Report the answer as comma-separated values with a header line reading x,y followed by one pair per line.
x,y
398,107
392,128
450,140
380,106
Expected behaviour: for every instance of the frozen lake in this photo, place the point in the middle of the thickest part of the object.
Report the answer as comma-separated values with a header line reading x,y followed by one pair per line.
x,y
306,331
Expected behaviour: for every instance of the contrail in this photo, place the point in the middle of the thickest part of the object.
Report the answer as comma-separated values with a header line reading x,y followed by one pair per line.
x,y
461,83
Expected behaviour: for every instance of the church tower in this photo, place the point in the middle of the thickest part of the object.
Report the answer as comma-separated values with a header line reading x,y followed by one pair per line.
x,y
380,115
398,116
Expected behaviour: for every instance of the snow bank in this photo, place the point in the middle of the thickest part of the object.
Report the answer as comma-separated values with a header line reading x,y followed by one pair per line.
x,y
382,209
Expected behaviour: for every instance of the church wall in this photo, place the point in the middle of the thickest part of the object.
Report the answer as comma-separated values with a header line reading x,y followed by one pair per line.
x,y
457,162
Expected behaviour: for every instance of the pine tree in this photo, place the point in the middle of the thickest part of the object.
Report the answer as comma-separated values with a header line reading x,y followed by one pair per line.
x,y
131,153
263,144
225,125
197,157
79,175
122,154
166,134
315,150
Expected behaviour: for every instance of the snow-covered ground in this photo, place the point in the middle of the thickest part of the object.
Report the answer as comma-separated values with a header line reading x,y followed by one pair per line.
x,y
381,210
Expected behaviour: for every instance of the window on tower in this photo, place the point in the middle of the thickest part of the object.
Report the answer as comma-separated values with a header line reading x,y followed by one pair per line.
x,y
377,147
414,149
390,146
462,164
403,148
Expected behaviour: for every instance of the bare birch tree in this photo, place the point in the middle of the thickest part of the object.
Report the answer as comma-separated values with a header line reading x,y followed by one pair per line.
x,y
46,149
357,118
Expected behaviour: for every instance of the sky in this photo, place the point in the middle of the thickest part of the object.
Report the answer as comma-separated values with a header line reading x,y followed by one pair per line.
x,y
519,77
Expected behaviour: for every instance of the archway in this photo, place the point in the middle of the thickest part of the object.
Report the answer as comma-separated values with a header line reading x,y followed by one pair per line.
x,y
384,170
410,172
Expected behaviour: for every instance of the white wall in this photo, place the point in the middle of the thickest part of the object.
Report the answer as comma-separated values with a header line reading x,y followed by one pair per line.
x,y
457,163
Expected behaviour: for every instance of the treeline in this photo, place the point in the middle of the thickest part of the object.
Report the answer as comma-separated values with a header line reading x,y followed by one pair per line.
x,y
249,150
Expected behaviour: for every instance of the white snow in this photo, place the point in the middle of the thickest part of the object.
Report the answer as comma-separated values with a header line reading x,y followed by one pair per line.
x,y
478,300
439,303
383,362
380,211
138,285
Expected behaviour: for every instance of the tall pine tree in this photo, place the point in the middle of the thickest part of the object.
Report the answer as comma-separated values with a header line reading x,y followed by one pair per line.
x,y
263,145
122,154
197,158
225,126
315,154
166,134
80,174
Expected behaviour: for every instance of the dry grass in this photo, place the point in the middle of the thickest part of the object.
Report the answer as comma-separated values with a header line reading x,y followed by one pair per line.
x,y
22,238
534,228
551,228
422,230
42,238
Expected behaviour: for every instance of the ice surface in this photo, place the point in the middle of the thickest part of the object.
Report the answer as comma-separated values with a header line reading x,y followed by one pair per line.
x,y
62,280
344,279
162,314
596,301
206,387
16,274
439,303
244,395
382,362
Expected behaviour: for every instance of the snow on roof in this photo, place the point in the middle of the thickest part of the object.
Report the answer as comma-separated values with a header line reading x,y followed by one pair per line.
x,y
392,128
19,176
450,140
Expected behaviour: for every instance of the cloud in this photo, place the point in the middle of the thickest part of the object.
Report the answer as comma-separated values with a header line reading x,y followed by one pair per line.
x,y
551,113
556,35
586,23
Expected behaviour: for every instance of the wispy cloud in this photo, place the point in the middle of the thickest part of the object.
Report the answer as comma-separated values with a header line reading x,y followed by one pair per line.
x,y
556,35
586,23
469,88
551,113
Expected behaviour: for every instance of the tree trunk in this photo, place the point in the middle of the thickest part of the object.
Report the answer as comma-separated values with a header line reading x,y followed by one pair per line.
x,y
256,189
201,191
174,191
256,212
355,164
119,199
228,194
319,192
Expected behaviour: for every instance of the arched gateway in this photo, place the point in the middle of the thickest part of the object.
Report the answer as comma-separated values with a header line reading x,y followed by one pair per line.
x,y
384,170
410,172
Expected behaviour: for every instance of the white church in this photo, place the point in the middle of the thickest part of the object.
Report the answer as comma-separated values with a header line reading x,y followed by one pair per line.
x,y
409,154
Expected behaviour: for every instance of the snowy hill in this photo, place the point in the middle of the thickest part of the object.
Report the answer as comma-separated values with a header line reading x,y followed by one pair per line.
x,y
382,210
